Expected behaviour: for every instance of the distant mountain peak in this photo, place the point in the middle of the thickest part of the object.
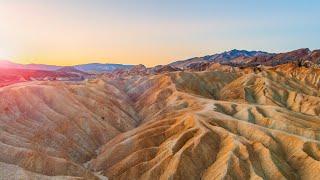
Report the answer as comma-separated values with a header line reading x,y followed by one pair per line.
x,y
220,57
98,67
237,57
6,62
91,67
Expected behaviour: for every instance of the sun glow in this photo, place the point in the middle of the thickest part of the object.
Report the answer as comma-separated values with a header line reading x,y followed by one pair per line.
x,y
148,32
5,55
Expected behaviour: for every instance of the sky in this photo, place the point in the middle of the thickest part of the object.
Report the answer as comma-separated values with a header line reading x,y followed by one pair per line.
x,y
150,32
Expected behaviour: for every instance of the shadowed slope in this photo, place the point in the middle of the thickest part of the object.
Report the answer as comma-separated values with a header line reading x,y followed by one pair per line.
x,y
222,124
210,138
52,127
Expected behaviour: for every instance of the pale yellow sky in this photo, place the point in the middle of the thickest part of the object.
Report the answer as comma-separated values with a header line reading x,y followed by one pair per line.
x,y
145,31
40,33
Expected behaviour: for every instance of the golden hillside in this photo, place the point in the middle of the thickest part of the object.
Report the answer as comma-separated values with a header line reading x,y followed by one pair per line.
x,y
223,123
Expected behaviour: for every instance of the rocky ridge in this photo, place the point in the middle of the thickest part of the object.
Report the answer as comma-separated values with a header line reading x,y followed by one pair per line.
x,y
223,123
207,121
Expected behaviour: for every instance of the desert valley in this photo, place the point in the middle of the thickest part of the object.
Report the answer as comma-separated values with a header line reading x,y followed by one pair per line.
x,y
232,115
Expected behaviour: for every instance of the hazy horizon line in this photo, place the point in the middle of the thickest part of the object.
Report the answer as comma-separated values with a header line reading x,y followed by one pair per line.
x,y
171,61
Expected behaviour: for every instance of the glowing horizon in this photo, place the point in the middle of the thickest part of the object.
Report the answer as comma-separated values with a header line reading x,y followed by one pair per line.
x,y
150,32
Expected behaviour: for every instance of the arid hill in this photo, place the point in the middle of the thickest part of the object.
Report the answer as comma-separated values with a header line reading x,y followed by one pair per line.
x,y
222,122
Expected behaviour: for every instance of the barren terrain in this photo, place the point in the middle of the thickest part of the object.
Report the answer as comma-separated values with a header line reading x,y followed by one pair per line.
x,y
222,123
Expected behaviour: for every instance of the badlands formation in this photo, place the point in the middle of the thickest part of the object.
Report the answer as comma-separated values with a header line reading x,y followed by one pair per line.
x,y
222,123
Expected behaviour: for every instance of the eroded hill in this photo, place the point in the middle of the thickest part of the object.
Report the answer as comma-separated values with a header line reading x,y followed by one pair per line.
x,y
222,123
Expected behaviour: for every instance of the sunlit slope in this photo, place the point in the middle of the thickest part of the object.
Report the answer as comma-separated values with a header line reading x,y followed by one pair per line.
x,y
216,125
224,123
52,128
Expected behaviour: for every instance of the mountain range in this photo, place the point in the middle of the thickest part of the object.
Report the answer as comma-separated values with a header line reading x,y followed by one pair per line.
x,y
233,57
234,115
253,58
90,68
